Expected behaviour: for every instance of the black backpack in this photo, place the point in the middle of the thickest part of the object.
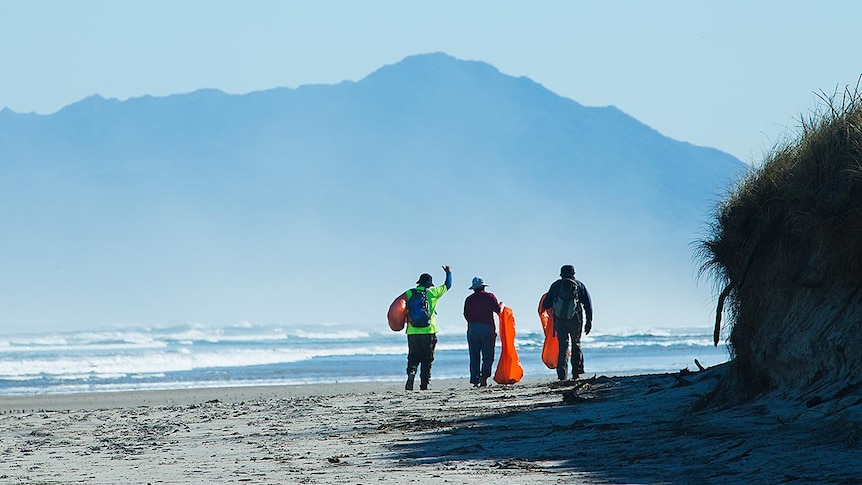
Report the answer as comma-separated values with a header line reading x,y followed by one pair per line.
x,y
566,299
418,311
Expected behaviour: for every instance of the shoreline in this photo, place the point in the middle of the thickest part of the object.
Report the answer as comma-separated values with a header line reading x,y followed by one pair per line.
x,y
91,400
626,429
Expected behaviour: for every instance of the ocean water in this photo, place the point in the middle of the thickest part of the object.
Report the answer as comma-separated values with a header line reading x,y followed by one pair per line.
x,y
198,356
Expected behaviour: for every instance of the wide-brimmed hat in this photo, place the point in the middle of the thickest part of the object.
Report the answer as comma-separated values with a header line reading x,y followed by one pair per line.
x,y
478,283
425,280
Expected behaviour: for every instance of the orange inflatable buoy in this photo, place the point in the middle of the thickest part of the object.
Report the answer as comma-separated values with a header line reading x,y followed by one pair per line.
x,y
509,370
551,347
397,314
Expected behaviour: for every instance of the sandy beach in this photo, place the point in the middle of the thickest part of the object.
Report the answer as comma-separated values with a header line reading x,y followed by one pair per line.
x,y
636,429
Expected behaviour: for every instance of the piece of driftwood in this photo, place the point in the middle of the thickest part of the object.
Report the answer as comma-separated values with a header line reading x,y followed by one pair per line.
x,y
681,382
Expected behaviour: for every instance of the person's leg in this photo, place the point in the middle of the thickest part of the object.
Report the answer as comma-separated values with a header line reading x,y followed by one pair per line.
x,y
577,355
413,355
489,337
562,359
429,344
474,349
577,360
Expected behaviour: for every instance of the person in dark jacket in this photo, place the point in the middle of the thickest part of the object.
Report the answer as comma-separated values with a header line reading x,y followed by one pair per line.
x,y
570,301
479,310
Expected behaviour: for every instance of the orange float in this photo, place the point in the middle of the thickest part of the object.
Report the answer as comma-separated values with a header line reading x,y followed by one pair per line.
x,y
509,370
397,314
551,347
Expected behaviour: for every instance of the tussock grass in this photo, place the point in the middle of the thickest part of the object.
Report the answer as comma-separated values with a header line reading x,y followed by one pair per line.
x,y
786,246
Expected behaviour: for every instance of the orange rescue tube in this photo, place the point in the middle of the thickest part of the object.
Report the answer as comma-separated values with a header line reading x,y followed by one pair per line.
x,y
551,348
397,314
509,370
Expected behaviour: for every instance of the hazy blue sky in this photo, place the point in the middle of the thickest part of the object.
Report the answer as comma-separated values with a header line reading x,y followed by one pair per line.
x,y
735,75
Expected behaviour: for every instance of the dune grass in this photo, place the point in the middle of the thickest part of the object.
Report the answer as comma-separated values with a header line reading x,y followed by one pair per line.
x,y
786,246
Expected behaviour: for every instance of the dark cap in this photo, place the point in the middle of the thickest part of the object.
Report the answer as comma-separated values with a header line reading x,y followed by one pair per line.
x,y
567,270
425,280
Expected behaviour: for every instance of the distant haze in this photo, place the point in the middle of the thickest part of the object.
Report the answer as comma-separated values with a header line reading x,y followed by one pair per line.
x,y
319,205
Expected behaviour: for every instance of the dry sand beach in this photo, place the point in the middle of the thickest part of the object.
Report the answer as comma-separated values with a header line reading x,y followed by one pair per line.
x,y
636,429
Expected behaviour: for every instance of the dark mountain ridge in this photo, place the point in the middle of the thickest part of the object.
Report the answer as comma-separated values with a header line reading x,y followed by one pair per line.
x,y
281,185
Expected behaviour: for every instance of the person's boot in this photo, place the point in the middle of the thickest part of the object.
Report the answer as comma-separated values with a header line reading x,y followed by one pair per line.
x,y
424,385
410,378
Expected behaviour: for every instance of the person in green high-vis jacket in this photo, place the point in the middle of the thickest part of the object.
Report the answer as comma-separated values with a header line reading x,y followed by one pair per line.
x,y
421,334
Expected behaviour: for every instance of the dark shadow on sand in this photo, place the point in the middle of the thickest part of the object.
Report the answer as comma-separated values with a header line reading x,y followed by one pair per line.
x,y
640,432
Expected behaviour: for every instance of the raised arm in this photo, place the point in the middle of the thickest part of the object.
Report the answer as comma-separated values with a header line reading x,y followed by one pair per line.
x,y
448,270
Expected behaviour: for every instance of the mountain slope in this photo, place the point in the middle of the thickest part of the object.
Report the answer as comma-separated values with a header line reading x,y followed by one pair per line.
x,y
215,208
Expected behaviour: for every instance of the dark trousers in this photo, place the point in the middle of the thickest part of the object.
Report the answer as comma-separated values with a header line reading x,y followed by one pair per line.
x,y
569,330
420,351
481,338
